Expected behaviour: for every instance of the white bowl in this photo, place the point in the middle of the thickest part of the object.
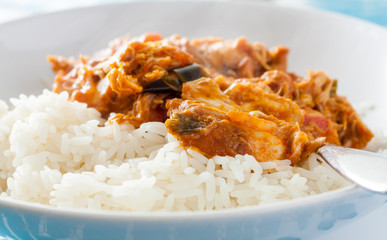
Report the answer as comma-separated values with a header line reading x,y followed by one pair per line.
x,y
353,51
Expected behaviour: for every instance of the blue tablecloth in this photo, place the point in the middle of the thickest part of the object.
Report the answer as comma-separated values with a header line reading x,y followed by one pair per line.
x,y
371,10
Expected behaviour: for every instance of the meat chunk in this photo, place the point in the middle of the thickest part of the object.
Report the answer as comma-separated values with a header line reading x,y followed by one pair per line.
x,y
234,58
317,125
318,92
252,98
216,132
326,114
210,121
145,107
242,95
278,82
206,90
112,81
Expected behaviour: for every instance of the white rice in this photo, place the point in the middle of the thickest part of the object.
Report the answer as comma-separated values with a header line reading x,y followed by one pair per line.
x,y
64,154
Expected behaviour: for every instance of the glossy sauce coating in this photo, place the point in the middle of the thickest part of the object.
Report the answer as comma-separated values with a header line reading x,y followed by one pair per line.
x,y
247,104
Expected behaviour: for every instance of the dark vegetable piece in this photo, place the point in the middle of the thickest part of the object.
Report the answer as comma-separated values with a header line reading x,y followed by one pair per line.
x,y
187,125
175,78
157,86
190,72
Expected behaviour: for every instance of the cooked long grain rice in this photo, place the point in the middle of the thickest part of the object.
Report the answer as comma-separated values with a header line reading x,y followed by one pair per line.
x,y
64,154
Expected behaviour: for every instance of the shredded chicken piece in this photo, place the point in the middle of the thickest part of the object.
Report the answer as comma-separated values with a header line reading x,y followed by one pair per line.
x,y
146,107
278,82
216,132
207,119
236,58
207,91
326,114
252,98
111,80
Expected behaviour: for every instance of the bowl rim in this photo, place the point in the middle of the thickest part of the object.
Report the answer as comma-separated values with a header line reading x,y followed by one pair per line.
x,y
191,215
264,4
279,206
